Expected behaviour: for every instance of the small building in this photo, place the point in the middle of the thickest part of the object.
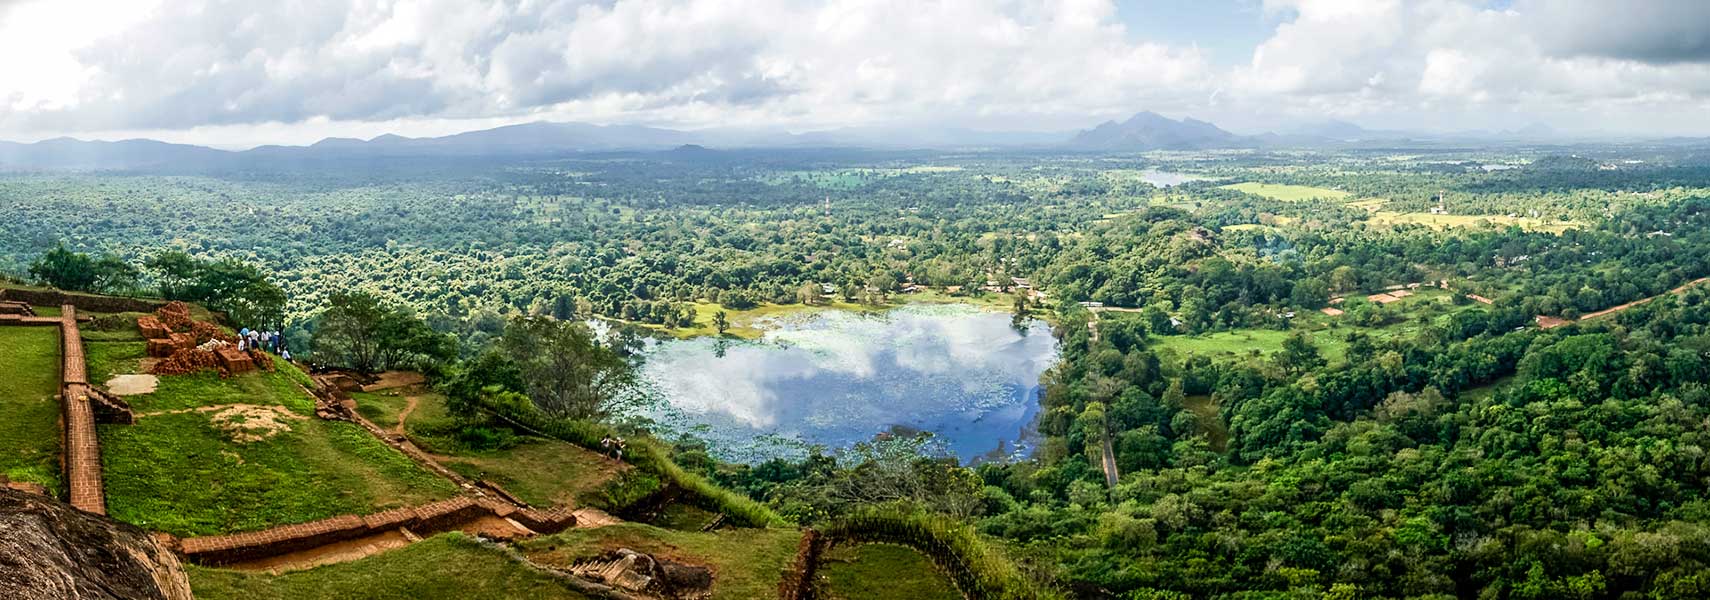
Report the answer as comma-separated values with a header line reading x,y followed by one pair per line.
x,y
1334,312
1091,304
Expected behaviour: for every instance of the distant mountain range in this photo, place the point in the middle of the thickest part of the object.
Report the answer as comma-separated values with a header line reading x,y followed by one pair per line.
x,y
1152,131
1142,132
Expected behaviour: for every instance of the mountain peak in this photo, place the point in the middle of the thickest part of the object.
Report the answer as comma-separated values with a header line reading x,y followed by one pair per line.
x,y
1147,130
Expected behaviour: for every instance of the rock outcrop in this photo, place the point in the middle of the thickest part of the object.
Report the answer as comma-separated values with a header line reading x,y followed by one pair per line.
x,y
51,551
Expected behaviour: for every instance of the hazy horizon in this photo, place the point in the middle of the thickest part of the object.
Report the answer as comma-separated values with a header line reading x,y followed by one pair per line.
x,y
293,73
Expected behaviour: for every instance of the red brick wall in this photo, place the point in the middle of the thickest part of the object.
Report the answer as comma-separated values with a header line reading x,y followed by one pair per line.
x,y
82,444
797,583
439,516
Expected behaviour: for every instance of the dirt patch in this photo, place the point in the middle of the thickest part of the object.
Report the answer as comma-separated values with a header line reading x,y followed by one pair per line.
x,y
243,423
493,527
394,379
247,423
594,517
131,385
338,552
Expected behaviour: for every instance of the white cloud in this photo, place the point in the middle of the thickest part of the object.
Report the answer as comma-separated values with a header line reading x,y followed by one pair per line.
x,y
212,71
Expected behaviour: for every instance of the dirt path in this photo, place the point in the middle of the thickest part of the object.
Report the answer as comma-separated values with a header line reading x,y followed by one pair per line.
x,y
409,407
1549,322
1110,474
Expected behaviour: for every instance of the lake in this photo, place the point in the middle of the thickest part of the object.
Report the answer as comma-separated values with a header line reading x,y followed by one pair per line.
x,y
835,378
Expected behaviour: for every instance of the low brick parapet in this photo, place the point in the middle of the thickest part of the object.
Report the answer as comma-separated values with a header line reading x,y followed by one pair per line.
x,y
443,515
82,458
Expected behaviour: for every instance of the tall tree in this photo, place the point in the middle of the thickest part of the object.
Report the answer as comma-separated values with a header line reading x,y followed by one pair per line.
x,y
566,370
64,269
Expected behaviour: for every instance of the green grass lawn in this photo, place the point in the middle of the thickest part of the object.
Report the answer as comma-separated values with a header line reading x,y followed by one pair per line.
x,y
883,572
1288,193
47,311
176,471
445,567
29,408
746,563
1326,332
284,386
541,472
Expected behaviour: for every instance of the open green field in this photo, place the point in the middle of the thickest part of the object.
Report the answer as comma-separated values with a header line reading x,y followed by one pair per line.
x,y
749,323
541,472
451,566
29,408
883,572
1472,221
210,455
746,563
1326,332
1287,193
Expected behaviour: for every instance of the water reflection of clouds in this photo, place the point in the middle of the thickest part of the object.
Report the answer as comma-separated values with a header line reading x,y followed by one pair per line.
x,y
837,378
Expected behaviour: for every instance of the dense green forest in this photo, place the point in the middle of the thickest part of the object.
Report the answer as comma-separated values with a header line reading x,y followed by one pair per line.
x,y
1446,447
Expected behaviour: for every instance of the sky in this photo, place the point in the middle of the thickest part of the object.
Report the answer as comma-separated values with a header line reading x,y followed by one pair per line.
x,y
237,74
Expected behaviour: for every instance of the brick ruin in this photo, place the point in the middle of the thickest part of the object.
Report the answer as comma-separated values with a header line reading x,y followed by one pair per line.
x,y
797,583
84,405
186,345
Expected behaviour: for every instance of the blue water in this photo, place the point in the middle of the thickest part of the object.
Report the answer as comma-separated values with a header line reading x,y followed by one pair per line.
x,y
837,378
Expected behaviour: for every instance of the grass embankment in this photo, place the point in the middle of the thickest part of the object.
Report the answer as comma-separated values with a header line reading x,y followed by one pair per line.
x,y
746,563
29,408
653,468
444,567
883,572
193,464
540,471
750,323
1288,193
979,570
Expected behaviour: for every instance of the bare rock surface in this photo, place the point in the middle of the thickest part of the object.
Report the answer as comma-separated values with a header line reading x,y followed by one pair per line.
x,y
51,551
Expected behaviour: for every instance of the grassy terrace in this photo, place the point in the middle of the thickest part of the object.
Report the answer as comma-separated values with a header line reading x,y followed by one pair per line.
x,y
541,472
746,563
210,455
29,409
883,572
444,567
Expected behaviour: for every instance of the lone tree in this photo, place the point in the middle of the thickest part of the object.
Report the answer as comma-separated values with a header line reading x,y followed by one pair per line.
x,y
565,370
721,321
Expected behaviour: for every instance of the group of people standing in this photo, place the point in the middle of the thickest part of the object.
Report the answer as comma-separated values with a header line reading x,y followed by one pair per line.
x,y
613,446
256,339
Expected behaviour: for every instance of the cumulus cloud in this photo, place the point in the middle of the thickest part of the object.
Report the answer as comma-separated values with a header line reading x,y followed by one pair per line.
x,y
1654,31
348,66
198,63
1459,57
